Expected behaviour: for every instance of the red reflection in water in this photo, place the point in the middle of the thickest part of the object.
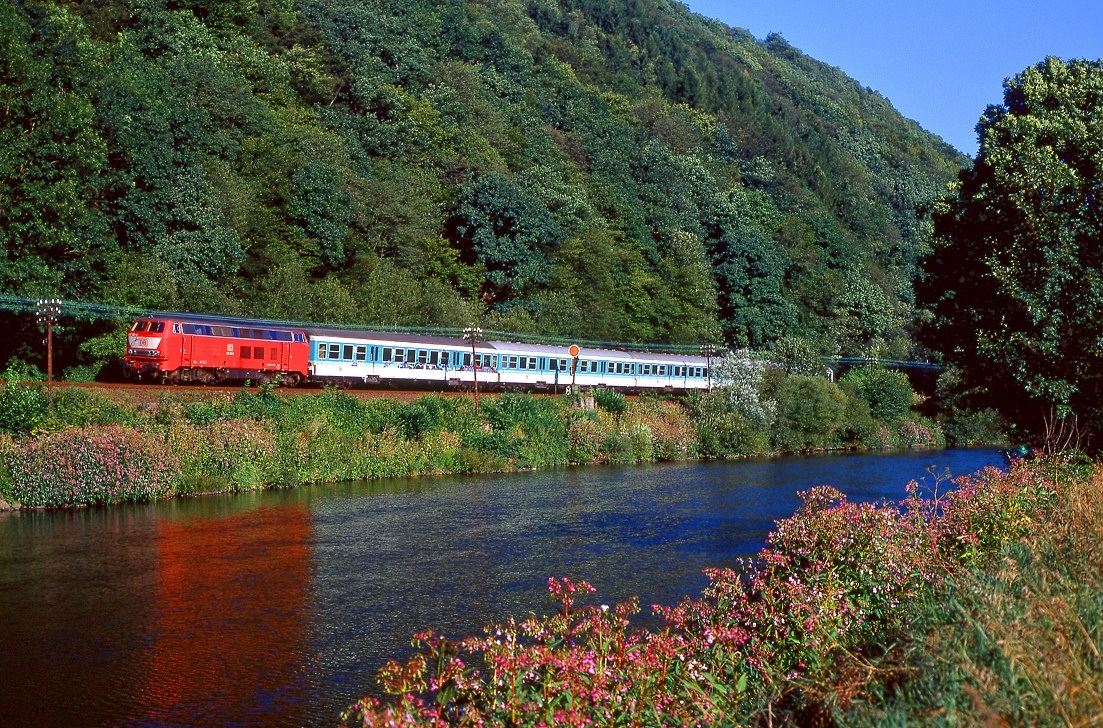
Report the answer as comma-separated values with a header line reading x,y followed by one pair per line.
x,y
229,619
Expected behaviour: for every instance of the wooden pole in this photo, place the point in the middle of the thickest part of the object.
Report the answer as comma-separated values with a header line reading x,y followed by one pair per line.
x,y
50,361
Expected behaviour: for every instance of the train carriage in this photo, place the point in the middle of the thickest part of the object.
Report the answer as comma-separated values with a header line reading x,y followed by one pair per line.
x,y
341,356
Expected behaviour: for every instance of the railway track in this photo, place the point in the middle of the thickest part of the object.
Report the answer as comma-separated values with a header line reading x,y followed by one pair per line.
x,y
151,393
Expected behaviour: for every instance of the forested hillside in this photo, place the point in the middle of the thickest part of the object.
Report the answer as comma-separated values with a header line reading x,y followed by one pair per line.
x,y
592,168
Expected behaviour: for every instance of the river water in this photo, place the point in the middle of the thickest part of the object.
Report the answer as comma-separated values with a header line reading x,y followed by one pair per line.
x,y
277,608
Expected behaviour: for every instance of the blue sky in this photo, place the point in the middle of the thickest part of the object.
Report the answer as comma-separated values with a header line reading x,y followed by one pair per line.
x,y
940,62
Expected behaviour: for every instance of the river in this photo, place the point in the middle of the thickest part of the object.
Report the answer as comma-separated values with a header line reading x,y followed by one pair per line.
x,y
277,608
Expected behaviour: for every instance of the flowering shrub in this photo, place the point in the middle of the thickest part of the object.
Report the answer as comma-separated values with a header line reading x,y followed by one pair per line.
x,y
587,439
673,436
90,465
834,580
920,433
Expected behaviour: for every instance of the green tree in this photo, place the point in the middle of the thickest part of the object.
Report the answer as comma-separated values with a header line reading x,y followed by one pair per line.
x,y
889,394
1015,283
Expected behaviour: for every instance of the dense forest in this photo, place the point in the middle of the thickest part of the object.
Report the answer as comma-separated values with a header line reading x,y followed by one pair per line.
x,y
621,171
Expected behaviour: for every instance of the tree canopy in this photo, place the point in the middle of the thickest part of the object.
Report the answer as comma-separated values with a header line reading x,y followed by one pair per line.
x,y
1015,284
624,171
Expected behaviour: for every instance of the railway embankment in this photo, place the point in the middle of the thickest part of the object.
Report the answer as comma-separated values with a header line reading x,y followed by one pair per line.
x,y
87,447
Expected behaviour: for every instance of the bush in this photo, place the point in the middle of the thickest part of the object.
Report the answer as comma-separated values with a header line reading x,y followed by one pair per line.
x,y
889,393
91,465
721,428
811,411
610,400
969,428
81,407
587,439
861,428
23,407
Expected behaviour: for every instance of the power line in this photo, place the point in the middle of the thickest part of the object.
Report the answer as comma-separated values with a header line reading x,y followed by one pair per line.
x,y
86,311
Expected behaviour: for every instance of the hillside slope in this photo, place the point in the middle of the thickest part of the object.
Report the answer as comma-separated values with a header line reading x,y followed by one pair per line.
x,y
609,170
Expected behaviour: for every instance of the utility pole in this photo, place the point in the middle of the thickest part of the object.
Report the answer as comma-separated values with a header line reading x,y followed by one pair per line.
x,y
474,333
707,351
48,313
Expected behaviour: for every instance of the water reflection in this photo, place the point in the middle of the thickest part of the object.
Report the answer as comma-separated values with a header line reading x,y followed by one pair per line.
x,y
229,620
277,608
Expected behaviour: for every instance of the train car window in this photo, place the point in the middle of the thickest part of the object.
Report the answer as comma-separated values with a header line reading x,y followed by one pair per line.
x,y
157,327
299,337
532,362
321,351
511,363
399,355
387,353
346,352
258,352
176,328
245,353
467,360
139,326
434,358
361,353
334,351
422,356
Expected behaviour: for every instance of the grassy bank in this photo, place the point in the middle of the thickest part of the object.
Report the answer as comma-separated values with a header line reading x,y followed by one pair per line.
x,y
84,449
978,605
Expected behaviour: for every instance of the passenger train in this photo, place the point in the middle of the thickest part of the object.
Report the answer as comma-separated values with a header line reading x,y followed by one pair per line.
x,y
178,349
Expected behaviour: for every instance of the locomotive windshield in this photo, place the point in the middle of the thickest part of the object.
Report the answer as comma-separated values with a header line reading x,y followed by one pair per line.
x,y
153,327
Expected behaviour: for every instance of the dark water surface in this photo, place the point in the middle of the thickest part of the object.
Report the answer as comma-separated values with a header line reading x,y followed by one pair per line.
x,y
277,608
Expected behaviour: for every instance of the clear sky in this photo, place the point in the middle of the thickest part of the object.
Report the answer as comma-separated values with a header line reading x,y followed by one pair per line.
x,y
940,62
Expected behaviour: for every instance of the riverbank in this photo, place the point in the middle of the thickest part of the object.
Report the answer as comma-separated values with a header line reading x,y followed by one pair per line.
x,y
980,604
84,449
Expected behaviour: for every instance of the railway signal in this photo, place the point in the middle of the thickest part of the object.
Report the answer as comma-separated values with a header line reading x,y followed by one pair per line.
x,y
574,351
49,310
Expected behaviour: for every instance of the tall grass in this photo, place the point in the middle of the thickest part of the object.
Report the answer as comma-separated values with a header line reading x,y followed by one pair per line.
x,y
1017,641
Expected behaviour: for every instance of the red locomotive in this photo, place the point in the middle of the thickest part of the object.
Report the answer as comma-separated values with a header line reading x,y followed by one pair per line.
x,y
209,352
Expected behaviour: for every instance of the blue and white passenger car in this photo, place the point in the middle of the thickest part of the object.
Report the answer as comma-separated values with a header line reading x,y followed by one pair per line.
x,y
347,357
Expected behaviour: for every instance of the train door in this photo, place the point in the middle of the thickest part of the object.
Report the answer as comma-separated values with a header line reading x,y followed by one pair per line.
x,y
285,357
185,350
